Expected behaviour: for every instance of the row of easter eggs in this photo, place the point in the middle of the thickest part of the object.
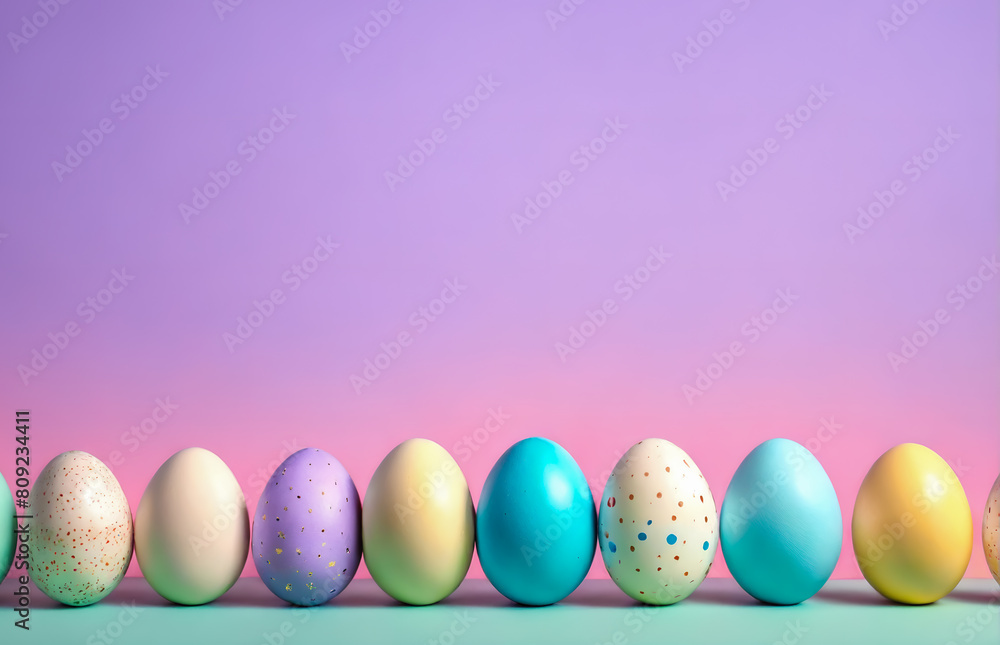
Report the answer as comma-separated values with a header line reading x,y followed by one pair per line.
x,y
536,527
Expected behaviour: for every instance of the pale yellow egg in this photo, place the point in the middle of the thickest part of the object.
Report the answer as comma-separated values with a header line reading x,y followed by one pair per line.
x,y
912,526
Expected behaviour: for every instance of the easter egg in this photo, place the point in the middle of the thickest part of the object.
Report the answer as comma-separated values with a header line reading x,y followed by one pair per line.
x,y
81,536
306,539
536,526
657,524
912,526
418,524
8,539
780,526
991,526
192,532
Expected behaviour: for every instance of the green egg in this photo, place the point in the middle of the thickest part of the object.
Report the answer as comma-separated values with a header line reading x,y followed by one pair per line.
x,y
7,525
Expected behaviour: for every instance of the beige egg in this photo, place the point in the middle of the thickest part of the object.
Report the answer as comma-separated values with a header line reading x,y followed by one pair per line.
x,y
80,539
192,531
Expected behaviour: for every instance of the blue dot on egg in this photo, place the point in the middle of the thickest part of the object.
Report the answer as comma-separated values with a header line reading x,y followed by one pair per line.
x,y
705,546
648,522
671,539
642,537
611,545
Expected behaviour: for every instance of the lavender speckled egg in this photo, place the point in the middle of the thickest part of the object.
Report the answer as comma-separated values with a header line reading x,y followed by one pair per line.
x,y
306,540
81,536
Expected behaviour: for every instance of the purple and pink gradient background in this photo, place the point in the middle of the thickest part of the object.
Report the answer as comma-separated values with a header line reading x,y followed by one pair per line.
x,y
494,348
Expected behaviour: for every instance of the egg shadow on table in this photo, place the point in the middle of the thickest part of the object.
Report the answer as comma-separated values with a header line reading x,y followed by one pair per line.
x,y
135,590
600,593
854,596
733,597
477,592
249,594
41,601
480,593
364,593
984,597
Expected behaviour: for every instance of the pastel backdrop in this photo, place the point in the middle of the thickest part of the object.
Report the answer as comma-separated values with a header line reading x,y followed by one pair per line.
x,y
521,275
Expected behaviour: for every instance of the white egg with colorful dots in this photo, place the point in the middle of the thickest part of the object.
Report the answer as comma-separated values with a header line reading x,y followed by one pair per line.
x,y
658,526
991,529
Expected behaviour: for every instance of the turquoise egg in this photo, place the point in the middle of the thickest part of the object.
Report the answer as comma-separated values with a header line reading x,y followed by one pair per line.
x,y
7,527
780,525
536,527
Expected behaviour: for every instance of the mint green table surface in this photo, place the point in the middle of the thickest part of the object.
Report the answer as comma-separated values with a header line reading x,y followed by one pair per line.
x,y
844,612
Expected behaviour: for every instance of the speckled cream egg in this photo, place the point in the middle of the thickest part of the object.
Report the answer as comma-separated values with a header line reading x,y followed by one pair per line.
x,y
658,528
307,529
192,532
81,536
991,528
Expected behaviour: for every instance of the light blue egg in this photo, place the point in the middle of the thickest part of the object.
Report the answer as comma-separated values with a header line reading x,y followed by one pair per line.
x,y
536,526
780,526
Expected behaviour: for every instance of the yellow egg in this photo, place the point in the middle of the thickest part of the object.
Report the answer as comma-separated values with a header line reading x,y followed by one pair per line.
x,y
417,522
912,526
